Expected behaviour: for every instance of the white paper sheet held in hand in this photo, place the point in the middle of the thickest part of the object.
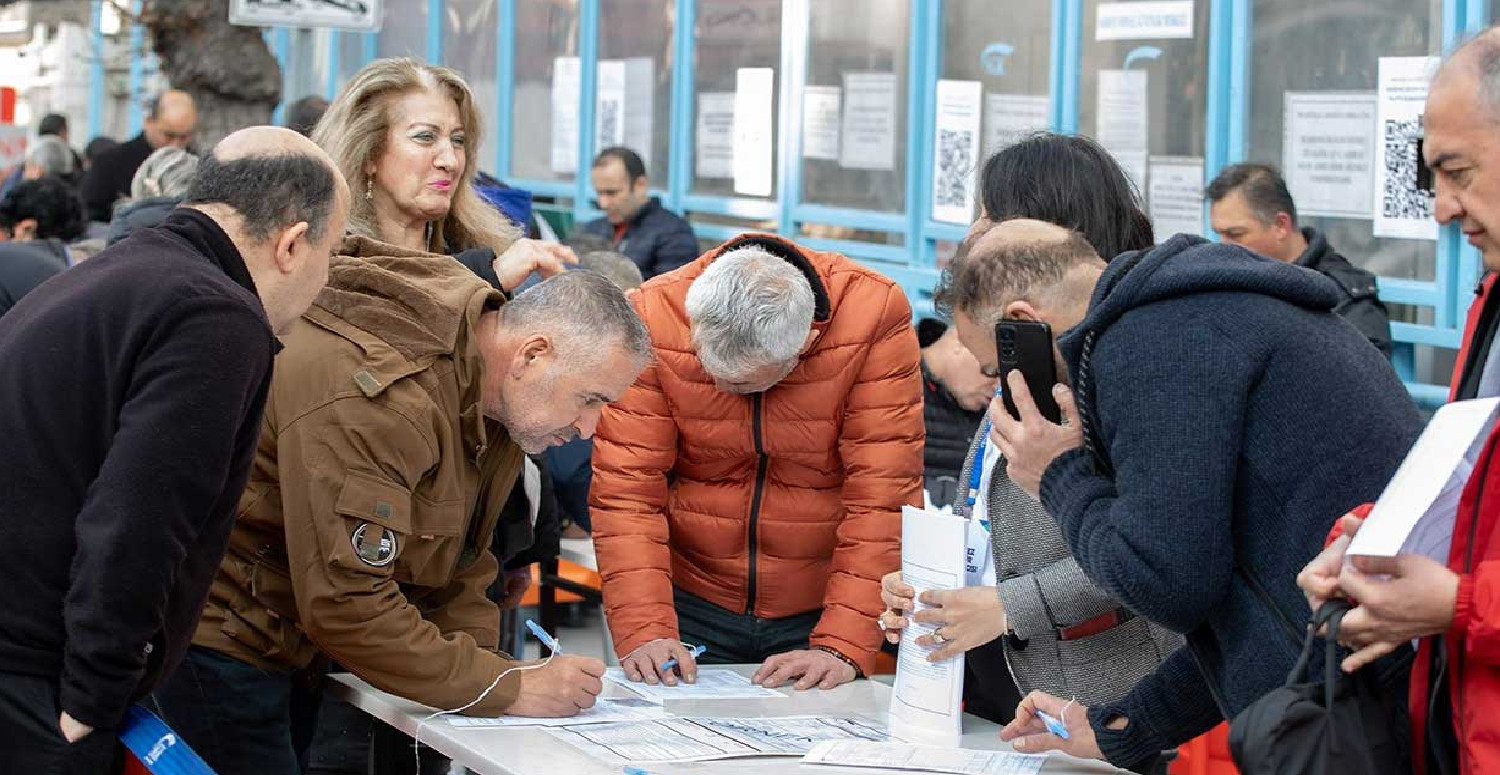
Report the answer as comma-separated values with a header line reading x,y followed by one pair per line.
x,y
924,758
711,684
926,702
1415,514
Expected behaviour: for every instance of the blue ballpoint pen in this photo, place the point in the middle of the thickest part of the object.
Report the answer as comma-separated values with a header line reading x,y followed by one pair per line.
x,y
542,635
696,651
1053,725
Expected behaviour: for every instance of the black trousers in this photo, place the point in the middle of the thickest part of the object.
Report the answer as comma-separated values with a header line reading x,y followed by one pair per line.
x,y
31,741
735,638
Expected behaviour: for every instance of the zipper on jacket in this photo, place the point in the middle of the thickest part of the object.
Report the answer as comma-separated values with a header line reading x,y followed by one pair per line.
x,y
760,486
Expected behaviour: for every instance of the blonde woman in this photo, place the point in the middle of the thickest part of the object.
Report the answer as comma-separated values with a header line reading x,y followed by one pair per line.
x,y
406,135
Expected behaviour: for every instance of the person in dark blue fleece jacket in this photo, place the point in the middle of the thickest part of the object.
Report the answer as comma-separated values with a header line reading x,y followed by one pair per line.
x,y
1225,418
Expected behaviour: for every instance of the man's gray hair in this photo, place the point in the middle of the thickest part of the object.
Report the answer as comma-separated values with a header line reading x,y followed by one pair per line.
x,y
51,154
585,314
749,309
619,269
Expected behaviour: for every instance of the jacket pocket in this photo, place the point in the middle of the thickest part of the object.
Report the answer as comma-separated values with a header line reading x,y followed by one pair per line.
x,y
371,525
434,544
1101,668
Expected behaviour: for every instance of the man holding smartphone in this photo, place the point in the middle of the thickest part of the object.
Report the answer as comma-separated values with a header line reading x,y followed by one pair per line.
x,y
1224,417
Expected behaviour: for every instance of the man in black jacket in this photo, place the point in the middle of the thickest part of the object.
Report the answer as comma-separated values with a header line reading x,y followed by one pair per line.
x,y
955,394
131,404
1225,417
1249,205
634,223
170,120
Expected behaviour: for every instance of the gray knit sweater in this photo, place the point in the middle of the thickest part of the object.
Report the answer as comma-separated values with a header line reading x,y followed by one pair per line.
x,y
1043,589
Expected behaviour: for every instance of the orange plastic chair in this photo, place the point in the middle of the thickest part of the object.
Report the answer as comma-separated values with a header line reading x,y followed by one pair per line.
x,y
569,571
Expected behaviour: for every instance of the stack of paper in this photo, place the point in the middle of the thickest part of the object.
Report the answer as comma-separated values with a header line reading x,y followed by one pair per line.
x,y
704,739
604,710
712,684
921,758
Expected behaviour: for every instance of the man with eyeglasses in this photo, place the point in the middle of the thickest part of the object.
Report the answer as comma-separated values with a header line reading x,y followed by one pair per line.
x,y
170,121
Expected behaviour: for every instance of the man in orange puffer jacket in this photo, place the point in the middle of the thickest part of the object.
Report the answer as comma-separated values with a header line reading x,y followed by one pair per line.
x,y
748,488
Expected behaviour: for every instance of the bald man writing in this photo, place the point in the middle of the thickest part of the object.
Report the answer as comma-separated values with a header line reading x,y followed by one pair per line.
x,y
1225,417
130,434
171,119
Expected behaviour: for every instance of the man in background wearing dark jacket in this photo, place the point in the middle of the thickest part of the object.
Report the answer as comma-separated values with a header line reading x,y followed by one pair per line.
x,y
170,120
955,394
1249,205
1225,418
634,223
131,408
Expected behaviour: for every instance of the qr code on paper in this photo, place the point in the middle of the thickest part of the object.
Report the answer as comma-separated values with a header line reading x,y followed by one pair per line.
x,y
955,165
1401,197
609,123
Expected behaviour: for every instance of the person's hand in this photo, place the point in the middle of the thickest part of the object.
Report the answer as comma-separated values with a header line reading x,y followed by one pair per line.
x,y
1319,579
811,667
1029,734
966,618
897,596
516,584
525,256
1414,601
561,688
1033,442
645,663
73,730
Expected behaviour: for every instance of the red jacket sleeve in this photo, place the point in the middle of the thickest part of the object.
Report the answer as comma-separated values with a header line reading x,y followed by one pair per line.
x,y
1361,511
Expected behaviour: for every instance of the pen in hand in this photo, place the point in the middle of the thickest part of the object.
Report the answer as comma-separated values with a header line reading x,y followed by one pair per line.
x,y
696,651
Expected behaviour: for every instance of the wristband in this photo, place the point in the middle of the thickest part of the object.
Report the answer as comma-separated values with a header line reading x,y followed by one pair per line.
x,y
840,657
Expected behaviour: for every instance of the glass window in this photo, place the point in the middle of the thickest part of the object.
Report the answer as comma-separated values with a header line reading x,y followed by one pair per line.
x,y
859,48
1173,73
730,35
404,33
546,30
635,38
309,62
470,46
1292,56
351,56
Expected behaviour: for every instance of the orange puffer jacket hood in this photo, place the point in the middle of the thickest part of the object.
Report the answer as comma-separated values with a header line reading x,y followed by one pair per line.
x,y
775,504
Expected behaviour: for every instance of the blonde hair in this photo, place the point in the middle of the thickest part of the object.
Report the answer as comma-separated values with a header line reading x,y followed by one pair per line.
x,y
354,133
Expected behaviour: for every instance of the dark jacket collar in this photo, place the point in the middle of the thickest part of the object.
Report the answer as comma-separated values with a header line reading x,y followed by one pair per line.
x,y
1317,249
210,241
648,209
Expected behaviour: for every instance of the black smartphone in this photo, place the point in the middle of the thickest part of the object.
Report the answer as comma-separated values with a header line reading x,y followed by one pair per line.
x,y
1026,345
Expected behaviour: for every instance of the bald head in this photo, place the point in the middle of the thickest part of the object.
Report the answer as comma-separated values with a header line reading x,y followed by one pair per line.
x,y
272,177
1041,262
171,120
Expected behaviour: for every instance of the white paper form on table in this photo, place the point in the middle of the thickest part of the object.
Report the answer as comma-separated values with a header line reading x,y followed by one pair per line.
x,y
1401,209
605,710
711,684
926,704
705,739
714,157
924,758
1415,514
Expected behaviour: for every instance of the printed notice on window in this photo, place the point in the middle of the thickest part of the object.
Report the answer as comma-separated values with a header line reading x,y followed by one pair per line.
x,y
1010,117
1171,20
868,140
1176,200
714,155
1401,209
955,150
1328,152
754,122
820,122
566,81
1123,120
